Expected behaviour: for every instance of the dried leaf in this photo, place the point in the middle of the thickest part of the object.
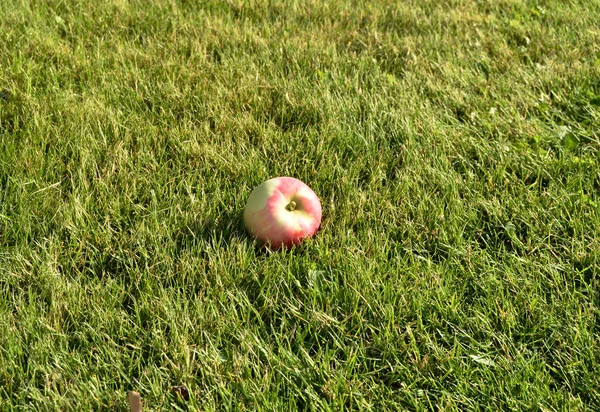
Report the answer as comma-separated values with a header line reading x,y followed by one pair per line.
x,y
181,391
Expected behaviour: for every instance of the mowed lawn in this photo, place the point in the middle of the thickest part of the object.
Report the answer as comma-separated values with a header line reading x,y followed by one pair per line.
x,y
454,145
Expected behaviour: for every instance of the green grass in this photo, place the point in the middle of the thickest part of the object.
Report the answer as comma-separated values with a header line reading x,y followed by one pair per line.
x,y
455,147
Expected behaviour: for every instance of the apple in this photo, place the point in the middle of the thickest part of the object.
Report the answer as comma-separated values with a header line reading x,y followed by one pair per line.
x,y
282,212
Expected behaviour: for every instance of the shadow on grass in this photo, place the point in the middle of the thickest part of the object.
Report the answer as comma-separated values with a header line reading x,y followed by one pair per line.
x,y
197,237
220,231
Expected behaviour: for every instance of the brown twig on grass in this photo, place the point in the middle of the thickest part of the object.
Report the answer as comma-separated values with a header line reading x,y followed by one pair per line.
x,y
135,401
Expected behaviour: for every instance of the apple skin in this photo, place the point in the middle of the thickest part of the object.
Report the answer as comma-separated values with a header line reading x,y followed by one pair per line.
x,y
282,212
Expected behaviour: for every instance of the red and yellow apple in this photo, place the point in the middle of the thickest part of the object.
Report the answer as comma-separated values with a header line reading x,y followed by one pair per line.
x,y
282,212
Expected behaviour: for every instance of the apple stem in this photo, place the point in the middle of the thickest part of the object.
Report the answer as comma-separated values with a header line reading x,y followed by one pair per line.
x,y
291,206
